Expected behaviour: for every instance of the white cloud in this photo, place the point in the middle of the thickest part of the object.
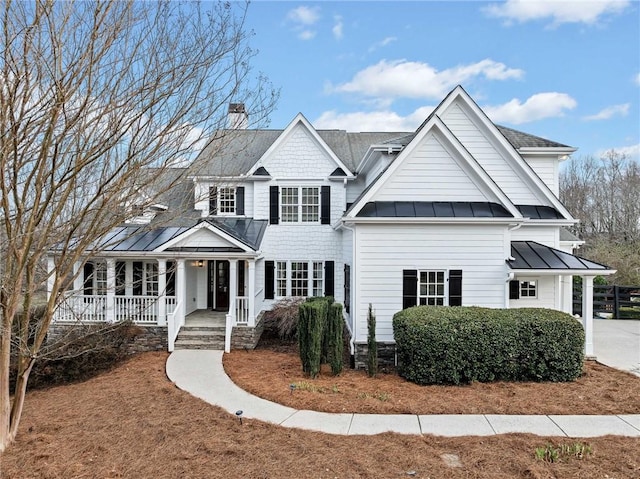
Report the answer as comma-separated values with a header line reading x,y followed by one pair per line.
x,y
610,112
637,79
402,78
536,107
304,15
372,121
337,27
382,43
565,11
302,18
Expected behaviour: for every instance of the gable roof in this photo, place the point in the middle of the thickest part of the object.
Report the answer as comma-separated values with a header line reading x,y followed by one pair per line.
x,y
476,173
235,152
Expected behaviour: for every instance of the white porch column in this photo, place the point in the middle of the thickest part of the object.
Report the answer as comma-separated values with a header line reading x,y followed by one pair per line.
x,y
51,275
251,292
233,287
566,288
181,289
587,313
111,290
162,292
78,278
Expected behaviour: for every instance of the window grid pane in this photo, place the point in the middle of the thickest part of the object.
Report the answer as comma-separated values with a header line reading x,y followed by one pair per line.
x,y
281,278
226,201
101,278
289,203
299,278
528,289
431,288
310,205
151,278
318,270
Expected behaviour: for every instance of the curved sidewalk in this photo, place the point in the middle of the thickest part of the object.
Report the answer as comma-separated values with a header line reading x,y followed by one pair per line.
x,y
201,373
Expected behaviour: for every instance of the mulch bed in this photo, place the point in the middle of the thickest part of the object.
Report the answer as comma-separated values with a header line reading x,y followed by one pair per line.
x,y
269,371
132,422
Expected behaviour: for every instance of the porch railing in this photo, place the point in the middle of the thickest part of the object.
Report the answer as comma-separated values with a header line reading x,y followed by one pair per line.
x,y
242,310
175,321
139,309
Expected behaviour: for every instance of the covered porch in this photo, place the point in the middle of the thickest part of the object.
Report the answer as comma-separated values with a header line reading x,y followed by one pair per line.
x,y
541,276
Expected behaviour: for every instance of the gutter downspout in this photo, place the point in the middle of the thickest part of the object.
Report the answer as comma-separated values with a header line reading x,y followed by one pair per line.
x,y
352,341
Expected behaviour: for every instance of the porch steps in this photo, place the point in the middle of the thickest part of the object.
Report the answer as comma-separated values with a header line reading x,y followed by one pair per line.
x,y
200,337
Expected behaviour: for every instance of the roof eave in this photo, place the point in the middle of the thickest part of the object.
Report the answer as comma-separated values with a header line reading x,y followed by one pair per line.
x,y
577,272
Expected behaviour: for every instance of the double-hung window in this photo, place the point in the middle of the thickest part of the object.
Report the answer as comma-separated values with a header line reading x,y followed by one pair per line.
x,y
300,204
281,278
300,278
101,278
226,201
151,279
432,288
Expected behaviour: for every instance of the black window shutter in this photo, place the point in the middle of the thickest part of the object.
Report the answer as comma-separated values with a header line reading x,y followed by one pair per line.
x,y
455,287
325,205
329,286
409,288
514,289
269,279
274,209
137,278
240,200
213,200
347,288
88,279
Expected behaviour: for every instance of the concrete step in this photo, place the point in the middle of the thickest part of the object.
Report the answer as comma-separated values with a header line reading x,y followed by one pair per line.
x,y
206,329
216,346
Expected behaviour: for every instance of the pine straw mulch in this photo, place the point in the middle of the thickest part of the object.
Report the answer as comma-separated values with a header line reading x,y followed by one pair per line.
x,y
132,422
269,371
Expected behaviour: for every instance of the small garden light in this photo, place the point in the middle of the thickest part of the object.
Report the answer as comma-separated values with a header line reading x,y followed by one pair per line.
x,y
239,414
292,387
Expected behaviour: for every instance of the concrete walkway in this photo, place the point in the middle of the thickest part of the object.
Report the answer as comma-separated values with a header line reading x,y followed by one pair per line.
x,y
200,373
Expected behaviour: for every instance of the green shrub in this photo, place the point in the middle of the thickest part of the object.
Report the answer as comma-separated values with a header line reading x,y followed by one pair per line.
x,y
335,327
629,312
372,345
453,345
311,332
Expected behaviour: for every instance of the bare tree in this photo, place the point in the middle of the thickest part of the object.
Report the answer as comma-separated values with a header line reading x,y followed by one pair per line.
x,y
92,96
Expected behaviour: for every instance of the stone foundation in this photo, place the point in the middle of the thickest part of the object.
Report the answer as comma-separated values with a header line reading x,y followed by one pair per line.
x,y
386,355
245,337
146,338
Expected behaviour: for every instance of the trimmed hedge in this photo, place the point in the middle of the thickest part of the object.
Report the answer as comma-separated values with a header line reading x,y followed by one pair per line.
x,y
320,335
457,344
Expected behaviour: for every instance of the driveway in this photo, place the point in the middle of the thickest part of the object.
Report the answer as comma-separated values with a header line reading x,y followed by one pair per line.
x,y
616,343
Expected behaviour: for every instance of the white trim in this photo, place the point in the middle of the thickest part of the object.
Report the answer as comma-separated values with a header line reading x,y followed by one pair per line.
x,y
572,272
203,225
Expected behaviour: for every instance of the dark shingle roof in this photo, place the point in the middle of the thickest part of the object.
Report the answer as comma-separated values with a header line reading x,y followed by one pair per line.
x,y
533,255
519,139
433,209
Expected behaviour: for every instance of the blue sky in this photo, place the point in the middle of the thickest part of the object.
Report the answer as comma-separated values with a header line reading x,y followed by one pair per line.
x,y
567,70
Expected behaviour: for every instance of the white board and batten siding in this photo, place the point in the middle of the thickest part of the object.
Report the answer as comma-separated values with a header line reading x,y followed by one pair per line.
x,y
477,143
479,251
430,174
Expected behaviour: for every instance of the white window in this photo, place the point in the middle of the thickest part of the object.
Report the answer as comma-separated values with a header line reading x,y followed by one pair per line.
x,y
226,201
281,278
299,278
151,279
100,275
300,204
318,276
432,288
528,289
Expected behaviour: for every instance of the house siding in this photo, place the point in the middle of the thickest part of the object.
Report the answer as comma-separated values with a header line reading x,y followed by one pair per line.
x,y
546,235
479,251
430,174
547,295
475,141
546,167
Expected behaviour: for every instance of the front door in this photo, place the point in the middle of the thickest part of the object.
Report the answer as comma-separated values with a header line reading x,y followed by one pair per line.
x,y
219,285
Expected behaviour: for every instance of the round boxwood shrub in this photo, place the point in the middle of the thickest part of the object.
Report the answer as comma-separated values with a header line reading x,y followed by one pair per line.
x,y
454,345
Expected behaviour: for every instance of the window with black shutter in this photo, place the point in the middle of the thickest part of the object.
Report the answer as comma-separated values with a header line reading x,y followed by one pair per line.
x,y
409,288
329,273
213,200
269,283
455,287
325,205
347,288
274,207
240,200
514,289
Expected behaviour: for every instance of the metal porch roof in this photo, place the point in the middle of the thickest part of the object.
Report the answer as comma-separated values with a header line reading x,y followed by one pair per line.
x,y
535,256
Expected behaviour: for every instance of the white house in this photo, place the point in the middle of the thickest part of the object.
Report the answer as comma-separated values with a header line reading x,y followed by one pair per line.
x,y
459,212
